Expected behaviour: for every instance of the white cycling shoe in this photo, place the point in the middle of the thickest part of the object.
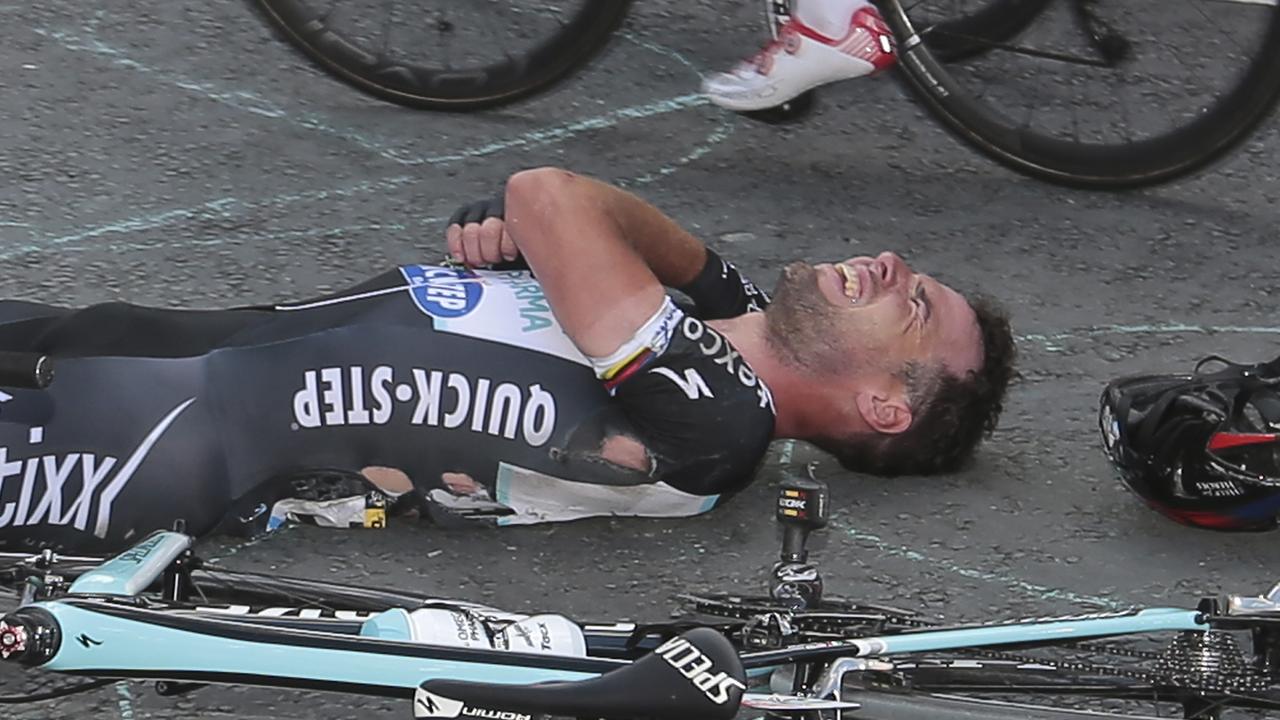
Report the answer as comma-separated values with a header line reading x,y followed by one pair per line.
x,y
801,59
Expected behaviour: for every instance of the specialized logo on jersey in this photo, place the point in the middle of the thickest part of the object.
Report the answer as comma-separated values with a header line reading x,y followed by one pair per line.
x,y
99,486
443,292
354,395
691,383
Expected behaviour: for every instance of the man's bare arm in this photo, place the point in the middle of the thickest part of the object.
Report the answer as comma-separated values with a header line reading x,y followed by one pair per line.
x,y
673,254
601,254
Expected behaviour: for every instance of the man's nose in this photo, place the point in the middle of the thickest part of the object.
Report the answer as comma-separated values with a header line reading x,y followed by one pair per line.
x,y
898,268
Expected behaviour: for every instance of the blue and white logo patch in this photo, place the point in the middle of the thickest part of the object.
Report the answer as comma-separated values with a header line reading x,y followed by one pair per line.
x,y
443,292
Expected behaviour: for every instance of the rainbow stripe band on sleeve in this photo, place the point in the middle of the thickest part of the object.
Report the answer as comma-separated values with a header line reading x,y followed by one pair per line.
x,y
650,341
619,372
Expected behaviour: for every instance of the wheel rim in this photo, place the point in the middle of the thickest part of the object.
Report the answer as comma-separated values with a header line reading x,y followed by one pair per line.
x,y
445,51
1159,113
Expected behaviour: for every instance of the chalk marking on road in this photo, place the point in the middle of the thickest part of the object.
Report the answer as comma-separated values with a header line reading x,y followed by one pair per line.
x,y
257,104
17,226
784,455
222,207
1039,591
607,120
264,107
569,130
267,237
213,209
125,701
218,208
701,150
1008,581
245,100
728,121
1159,328
660,49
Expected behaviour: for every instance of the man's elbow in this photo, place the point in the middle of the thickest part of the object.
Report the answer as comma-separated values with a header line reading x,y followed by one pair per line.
x,y
535,187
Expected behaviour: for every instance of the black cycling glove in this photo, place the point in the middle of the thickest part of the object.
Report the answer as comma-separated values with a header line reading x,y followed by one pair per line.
x,y
720,291
478,212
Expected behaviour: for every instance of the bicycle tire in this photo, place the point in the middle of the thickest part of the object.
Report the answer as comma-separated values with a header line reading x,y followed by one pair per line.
x,y
1147,162
571,47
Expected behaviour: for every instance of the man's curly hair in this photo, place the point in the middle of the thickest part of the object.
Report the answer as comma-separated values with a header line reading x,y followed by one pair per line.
x,y
951,414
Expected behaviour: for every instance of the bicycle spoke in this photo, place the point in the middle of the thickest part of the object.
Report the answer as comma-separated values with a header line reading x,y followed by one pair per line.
x,y
1096,92
1094,99
988,44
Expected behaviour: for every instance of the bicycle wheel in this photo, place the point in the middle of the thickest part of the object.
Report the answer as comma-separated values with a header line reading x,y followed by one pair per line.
x,y
978,29
1109,95
1059,682
1191,675
881,705
459,55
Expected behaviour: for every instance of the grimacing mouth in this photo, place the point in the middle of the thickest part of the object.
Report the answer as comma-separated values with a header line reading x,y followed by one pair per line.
x,y
852,285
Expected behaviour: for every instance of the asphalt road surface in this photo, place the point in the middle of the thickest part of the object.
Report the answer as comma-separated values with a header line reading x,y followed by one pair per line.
x,y
177,154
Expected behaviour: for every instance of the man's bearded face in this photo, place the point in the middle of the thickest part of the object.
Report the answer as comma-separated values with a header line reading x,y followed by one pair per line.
x,y
870,315
804,327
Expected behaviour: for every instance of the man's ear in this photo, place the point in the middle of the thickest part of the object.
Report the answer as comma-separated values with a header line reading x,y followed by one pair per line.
x,y
884,410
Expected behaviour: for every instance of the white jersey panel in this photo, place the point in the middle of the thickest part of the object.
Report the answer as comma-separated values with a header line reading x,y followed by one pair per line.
x,y
508,307
536,497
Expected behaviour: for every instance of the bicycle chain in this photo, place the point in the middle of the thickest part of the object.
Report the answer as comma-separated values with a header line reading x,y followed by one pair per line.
x,y
1071,665
1178,668
737,609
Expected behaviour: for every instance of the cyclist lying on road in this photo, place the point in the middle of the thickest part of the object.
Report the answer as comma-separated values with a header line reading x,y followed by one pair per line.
x,y
583,392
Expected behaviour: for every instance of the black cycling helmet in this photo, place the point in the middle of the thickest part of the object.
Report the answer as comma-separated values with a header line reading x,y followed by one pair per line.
x,y
1203,448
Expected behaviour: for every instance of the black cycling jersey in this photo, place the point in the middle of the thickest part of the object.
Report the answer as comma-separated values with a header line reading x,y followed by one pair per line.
x,y
163,415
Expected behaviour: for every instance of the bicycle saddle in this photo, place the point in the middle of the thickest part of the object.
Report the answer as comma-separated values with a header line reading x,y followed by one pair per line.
x,y
695,676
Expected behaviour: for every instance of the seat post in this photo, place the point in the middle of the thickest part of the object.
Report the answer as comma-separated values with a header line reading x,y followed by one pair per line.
x,y
801,509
